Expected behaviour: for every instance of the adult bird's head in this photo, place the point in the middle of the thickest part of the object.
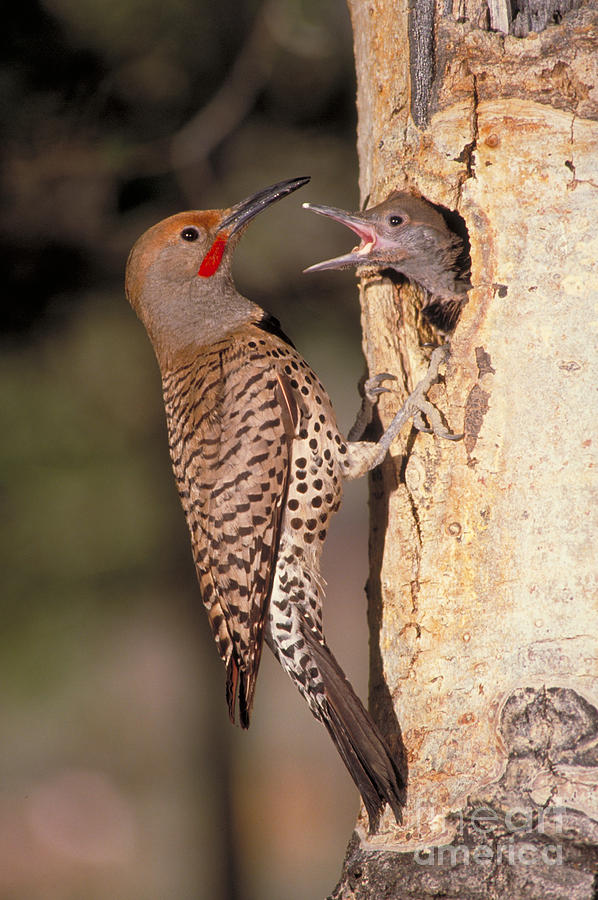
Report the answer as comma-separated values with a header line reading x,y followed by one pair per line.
x,y
178,277
404,233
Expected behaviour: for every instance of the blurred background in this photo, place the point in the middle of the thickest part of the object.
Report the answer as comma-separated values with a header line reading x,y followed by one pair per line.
x,y
120,776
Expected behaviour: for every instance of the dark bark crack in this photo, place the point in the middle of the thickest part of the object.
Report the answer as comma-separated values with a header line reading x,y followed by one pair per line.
x,y
422,59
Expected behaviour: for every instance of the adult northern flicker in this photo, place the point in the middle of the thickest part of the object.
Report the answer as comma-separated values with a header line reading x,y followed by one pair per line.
x,y
409,235
259,463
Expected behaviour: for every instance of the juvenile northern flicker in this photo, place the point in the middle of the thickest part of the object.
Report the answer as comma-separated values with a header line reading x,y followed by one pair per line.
x,y
409,235
259,463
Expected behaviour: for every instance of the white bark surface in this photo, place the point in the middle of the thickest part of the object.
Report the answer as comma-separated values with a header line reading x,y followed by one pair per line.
x,y
484,574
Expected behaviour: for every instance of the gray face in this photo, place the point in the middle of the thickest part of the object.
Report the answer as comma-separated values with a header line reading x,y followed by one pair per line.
x,y
178,276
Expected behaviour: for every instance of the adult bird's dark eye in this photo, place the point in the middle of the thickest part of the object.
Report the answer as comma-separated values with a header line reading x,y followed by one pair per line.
x,y
189,234
395,220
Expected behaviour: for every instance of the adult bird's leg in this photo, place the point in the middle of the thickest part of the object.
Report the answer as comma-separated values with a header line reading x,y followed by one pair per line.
x,y
364,456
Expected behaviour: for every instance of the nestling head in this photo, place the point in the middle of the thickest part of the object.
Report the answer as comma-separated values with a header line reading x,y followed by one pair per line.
x,y
405,233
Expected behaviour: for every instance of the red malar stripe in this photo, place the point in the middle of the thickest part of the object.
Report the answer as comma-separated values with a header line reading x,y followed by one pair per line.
x,y
213,258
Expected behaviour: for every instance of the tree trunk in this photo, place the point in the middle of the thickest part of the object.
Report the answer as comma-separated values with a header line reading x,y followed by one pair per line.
x,y
484,618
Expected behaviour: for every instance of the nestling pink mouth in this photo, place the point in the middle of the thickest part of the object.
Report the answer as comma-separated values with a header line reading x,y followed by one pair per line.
x,y
365,232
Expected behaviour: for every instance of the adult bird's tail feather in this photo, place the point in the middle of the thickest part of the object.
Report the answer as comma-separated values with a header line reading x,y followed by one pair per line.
x,y
360,744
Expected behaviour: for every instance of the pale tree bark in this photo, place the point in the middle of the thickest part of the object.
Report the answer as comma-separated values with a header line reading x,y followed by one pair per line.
x,y
483,593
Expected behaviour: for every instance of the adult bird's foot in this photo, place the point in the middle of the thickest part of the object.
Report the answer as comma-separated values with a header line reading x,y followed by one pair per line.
x,y
370,389
417,405
374,386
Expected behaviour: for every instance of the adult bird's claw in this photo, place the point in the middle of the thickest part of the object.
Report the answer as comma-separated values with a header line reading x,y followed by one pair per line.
x,y
374,386
417,405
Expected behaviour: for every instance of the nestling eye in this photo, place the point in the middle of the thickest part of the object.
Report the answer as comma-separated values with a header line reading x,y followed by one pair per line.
x,y
395,220
189,233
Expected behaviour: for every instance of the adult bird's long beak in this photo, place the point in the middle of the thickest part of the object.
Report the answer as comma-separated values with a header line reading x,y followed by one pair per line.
x,y
356,222
239,215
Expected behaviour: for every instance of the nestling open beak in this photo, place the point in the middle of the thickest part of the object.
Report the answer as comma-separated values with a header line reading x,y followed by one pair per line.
x,y
244,211
363,229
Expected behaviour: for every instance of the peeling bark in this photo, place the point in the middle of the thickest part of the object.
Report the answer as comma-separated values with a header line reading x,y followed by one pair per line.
x,y
483,586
